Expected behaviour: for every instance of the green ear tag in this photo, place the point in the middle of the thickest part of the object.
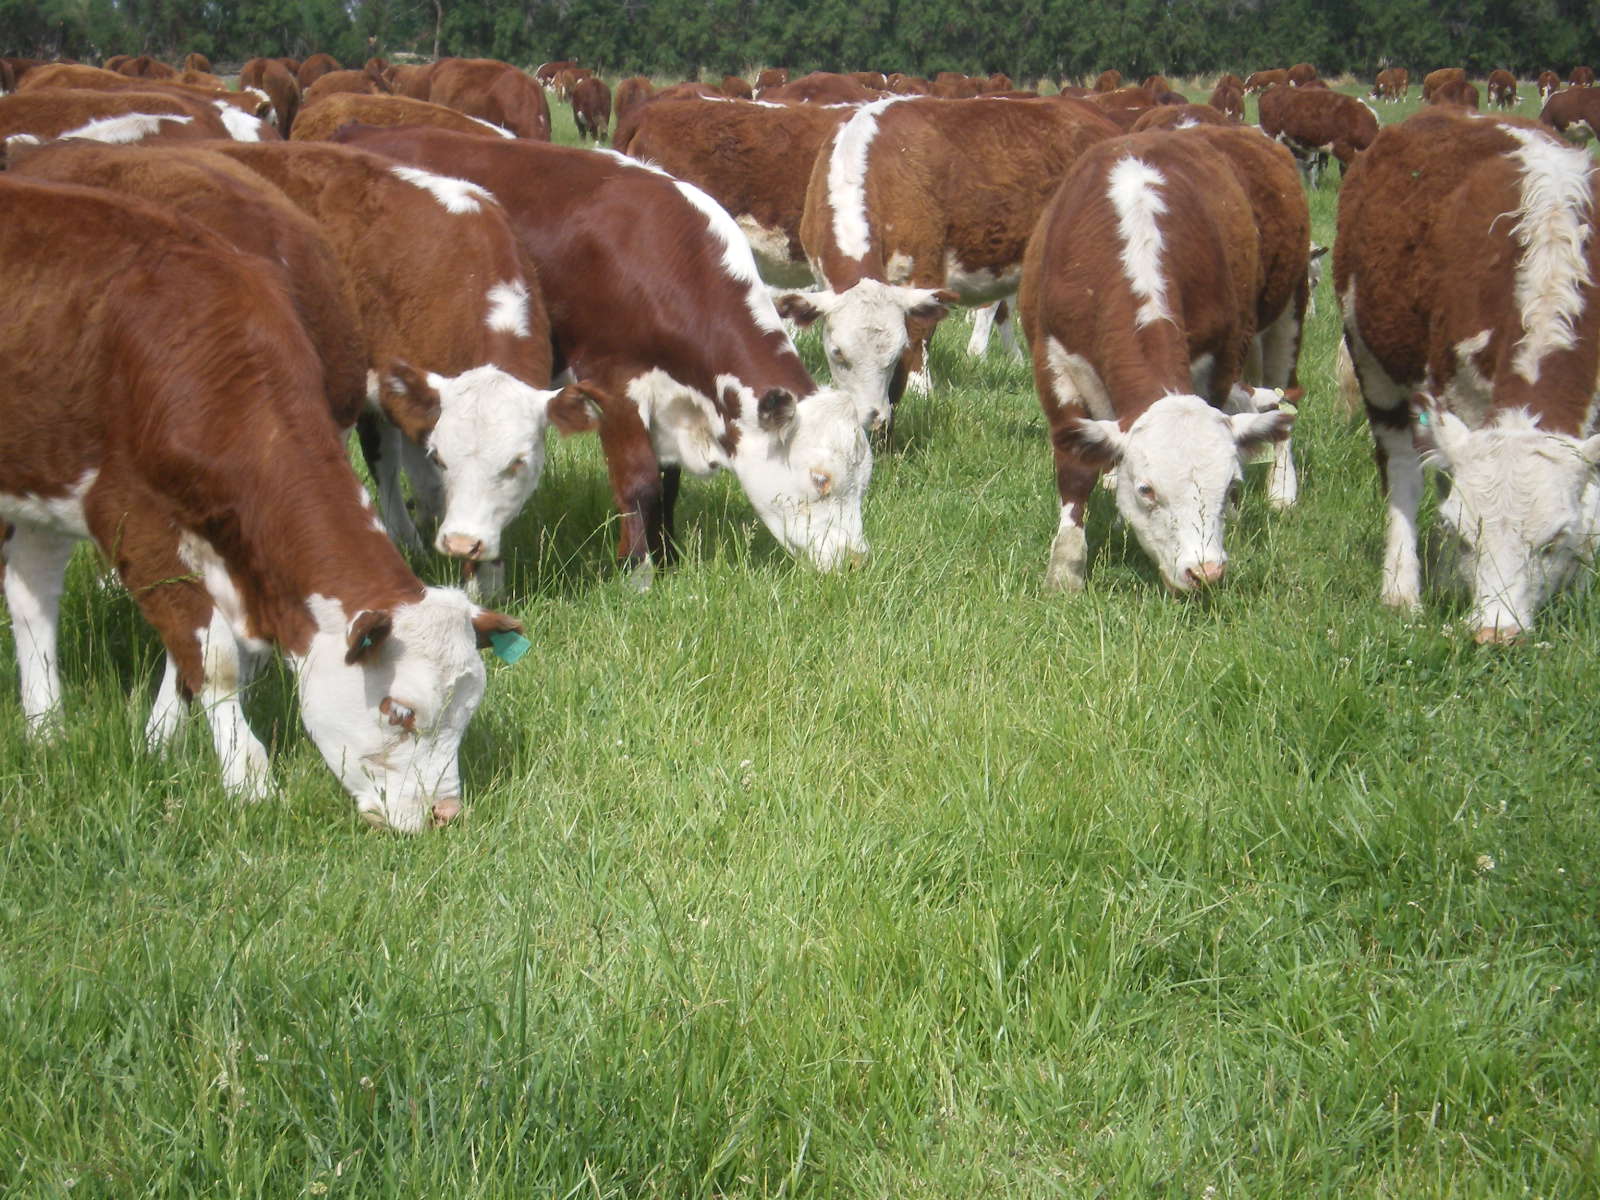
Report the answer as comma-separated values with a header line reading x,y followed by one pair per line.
x,y
508,647
1422,418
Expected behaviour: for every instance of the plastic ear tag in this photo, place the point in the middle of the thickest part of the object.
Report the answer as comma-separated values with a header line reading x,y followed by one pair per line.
x,y
508,647
1422,418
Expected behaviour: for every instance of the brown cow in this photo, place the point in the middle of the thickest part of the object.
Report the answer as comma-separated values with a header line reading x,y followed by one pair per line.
x,y
1228,99
1581,77
546,73
1179,116
1458,92
754,159
1314,122
412,80
1502,88
876,80
736,88
31,118
195,61
1301,74
343,83
1392,84
1108,81
494,91
319,122
1573,113
1139,297
821,87
145,67
770,77
1466,277
1260,81
1549,85
952,85
275,81
1434,80
591,108
653,295
1156,84
239,109
150,365
909,85
914,204
630,93
1125,105
314,68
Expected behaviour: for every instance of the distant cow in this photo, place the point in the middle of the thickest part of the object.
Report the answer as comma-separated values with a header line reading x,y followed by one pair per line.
x,y
736,88
1315,122
630,93
1139,296
1301,74
771,77
494,91
314,68
238,109
1574,113
1179,116
1434,80
1549,85
1392,84
274,80
1502,86
821,87
31,118
1108,81
1458,92
318,123
591,108
1260,81
1228,99
1581,77
1475,332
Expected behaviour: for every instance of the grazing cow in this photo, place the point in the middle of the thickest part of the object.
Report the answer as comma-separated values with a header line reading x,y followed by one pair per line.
x,y
239,109
591,108
1549,85
1458,92
149,366
1301,74
1468,279
495,92
914,204
876,80
195,61
1574,113
319,122
1315,122
1260,81
314,68
145,67
1179,116
909,85
1156,84
631,92
546,73
30,118
754,159
1434,80
456,339
277,82
770,77
1125,105
342,83
1502,88
821,87
1228,99
412,80
1139,297
1392,84
1108,80
993,86
736,88
1581,77
653,295
952,85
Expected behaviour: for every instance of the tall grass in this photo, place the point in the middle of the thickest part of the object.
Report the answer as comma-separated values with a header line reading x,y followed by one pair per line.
x,y
913,881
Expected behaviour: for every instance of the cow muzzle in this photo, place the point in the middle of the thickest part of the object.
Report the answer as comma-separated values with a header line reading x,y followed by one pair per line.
x,y
462,545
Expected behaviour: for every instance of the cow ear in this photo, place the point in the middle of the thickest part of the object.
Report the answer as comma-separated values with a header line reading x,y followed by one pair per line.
x,y
367,630
409,401
1253,430
486,623
576,408
776,410
932,306
1098,443
802,308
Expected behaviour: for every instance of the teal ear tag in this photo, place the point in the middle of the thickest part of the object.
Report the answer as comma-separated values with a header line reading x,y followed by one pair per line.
x,y
508,647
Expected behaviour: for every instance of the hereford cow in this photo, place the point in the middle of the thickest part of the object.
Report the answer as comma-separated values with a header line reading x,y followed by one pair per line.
x,y
495,92
1434,80
1573,113
821,87
1139,296
456,340
318,123
909,85
1392,84
737,88
342,83
1549,85
195,61
1314,122
1301,74
1179,116
1468,282
1124,106
630,93
1260,81
1228,99
277,82
1581,77
770,77
144,67
1108,81
754,159
240,110
414,81
314,68
30,118
1458,92
591,108
1502,88
914,204
149,365
654,295
546,73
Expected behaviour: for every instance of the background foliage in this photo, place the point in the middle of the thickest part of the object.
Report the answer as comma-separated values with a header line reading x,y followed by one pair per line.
x,y
1028,39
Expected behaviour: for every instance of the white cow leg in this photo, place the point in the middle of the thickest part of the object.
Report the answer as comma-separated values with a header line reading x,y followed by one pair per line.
x,y
36,569
983,322
166,715
1402,568
227,666
1069,555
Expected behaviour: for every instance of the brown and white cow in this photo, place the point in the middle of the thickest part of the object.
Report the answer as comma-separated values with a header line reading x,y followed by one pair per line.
x,y
591,108
1314,122
1179,116
918,203
1139,297
653,295
1470,286
494,91
1260,81
1502,86
1392,84
241,112
456,338
1573,113
631,92
821,87
770,77
318,123
32,118
753,158
1302,74
1457,92
163,401
1228,99
1108,80
736,87
1434,80
314,68
1549,85
1581,77
341,83
274,80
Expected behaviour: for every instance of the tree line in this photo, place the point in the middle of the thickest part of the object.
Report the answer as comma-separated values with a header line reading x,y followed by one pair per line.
x,y
1028,39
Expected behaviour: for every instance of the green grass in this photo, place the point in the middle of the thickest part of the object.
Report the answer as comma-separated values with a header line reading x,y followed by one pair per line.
x,y
910,882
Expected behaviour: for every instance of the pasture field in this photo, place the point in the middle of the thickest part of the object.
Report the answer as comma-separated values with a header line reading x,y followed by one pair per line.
x,y
914,881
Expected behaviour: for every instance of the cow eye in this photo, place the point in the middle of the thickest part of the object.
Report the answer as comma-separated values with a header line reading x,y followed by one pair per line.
x,y
1145,492
515,466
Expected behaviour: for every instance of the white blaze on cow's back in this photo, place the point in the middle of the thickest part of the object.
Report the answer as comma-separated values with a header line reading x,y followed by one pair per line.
x,y
457,195
847,178
500,130
738,261
508,308
241,126
133,127
1132,189
1552,231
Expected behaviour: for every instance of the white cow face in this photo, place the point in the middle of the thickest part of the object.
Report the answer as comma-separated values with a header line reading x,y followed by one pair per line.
x,y
864,335
484,433
1526,508
1178,466
386,697
805,465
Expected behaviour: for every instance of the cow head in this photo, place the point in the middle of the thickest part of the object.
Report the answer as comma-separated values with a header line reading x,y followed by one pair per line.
x,y
865,335
1178,465
1525,507
483,432
387,695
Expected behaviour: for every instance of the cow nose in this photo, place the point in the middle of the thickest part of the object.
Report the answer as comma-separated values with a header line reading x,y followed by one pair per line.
x,y
1497,635
461,545
444,811
1205,574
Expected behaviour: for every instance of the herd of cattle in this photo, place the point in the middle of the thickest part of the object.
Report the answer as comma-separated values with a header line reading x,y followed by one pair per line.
x,y
193,323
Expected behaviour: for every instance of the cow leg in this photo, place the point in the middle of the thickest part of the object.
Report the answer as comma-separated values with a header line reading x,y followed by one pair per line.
x,y
1068,568
671,477
645,538
1275,351
36,569
983,323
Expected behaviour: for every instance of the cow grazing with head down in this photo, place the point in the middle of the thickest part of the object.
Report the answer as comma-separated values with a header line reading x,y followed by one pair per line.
x,y
1392,84
1179,116
915,204
151,365
1228,99
1502,86
1108,80
1260,81
631,92
1457,92
653,295
321,120
32,118
591,108
1316,122
1573,113
1434,80
1302,75
1470,286
242,112
495,92
274,80
1139,298
1581,77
